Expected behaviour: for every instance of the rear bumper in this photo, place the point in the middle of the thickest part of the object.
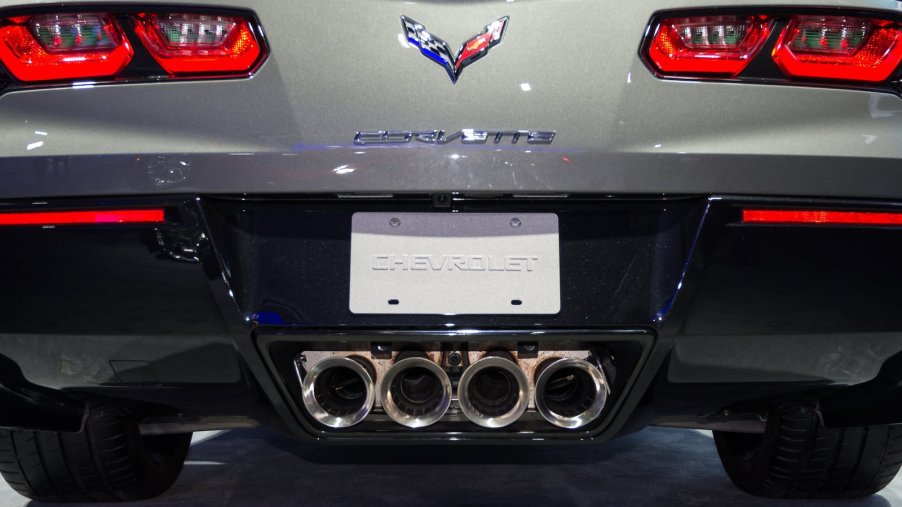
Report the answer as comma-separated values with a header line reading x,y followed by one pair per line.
x,y
171,315
26,405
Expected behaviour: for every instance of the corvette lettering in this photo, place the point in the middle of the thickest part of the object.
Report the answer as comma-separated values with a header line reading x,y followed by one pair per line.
x,y
389,262
465,136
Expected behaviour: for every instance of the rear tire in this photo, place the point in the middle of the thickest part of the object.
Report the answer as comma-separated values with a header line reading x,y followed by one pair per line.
x,y
107,461
798,458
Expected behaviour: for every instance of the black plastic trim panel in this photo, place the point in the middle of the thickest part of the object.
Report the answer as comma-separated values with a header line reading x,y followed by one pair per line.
x,y
219,263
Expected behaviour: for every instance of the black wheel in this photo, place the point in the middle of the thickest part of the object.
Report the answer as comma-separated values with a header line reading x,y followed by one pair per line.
x,y
107,461
798,458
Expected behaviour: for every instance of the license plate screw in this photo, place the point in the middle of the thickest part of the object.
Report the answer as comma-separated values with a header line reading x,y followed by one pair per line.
x,y
515,222
394,222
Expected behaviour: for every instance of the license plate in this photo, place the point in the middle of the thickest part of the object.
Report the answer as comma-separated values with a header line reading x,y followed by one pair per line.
x,y
455,263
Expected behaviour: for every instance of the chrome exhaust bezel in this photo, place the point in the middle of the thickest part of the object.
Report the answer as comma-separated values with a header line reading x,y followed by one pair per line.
x,y
316,410
588,415
473,413
391,407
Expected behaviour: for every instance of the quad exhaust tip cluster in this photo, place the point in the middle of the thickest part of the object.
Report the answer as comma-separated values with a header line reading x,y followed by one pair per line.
x,y
415,391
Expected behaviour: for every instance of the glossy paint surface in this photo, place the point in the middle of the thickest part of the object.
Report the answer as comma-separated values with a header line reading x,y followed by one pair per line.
x,y
336,69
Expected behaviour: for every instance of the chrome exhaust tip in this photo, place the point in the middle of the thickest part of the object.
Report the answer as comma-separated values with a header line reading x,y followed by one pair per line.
x,y
339,391
570,393
415,392
493,392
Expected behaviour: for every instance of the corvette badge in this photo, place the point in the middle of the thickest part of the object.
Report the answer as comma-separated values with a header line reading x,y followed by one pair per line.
x,y
438,50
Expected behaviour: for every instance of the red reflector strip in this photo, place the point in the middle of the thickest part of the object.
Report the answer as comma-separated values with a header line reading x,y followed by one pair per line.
x,y
131,216
781,216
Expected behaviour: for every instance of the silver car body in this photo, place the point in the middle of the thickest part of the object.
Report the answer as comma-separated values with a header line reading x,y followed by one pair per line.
x,y
569,66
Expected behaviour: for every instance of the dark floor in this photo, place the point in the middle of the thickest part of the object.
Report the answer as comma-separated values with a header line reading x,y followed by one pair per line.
x,y
653,467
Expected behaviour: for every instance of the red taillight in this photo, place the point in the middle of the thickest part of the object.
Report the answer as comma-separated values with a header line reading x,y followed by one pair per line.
x,y
119,216
707,44
839,47
795,216
67,46
198,44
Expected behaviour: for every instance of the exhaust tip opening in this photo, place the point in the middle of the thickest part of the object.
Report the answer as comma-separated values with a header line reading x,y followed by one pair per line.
x,y
339,391
415,392
570,393
493,392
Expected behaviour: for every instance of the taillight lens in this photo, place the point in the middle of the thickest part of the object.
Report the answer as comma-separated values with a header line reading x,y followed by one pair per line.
x,y
707,44
192,43
839,47
70,46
